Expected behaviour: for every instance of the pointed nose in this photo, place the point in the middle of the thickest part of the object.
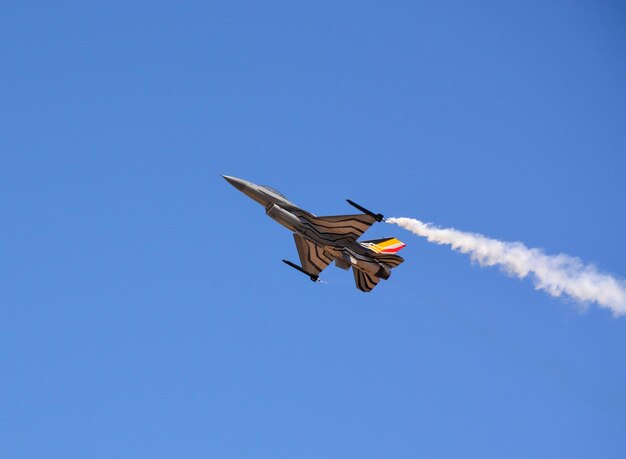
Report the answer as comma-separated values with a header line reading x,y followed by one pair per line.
x,y
234,181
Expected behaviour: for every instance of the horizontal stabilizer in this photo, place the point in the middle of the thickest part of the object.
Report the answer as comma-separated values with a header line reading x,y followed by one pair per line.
x,y
390,259
364,282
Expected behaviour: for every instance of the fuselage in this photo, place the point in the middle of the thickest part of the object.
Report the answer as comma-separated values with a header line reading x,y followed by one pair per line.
x,y
345,251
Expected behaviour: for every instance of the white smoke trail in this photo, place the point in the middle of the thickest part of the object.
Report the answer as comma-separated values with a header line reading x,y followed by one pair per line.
x,y
555,274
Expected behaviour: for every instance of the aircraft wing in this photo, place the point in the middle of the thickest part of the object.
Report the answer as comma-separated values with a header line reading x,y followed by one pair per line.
x,y
312,257
342,227
364,281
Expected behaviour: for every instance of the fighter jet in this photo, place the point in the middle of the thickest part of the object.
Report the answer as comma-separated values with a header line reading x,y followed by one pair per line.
x,y
322,240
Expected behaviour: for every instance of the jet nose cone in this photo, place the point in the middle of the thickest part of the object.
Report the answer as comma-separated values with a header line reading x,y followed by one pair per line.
x,y
234,181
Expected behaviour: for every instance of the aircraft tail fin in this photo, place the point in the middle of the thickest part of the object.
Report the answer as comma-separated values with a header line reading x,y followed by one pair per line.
x,y
385,245
384,250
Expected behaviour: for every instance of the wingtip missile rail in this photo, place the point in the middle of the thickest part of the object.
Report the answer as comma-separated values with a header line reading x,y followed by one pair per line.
x,y
313,277
378,217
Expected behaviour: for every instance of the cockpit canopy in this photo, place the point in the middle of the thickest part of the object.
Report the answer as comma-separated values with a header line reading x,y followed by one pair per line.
x,y
274,190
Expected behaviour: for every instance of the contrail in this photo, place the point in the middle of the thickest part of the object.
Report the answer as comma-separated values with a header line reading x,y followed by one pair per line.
x,y
555,274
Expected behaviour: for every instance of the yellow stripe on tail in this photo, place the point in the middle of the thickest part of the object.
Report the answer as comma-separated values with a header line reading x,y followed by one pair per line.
x,y
387,245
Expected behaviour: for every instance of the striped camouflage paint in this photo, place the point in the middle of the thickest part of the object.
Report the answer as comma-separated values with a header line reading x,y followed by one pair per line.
x,y
336,229
337,232
313,258
364,281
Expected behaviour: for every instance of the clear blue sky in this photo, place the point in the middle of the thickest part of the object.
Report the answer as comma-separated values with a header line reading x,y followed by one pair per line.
x,y
144,310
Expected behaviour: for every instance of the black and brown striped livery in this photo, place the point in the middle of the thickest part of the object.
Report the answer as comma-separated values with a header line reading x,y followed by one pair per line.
x,y
322,240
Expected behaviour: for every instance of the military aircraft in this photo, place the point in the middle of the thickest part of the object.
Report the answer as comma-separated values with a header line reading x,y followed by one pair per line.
x,y
322,240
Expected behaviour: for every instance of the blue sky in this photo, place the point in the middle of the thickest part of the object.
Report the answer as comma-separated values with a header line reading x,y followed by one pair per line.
x,y
144,308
